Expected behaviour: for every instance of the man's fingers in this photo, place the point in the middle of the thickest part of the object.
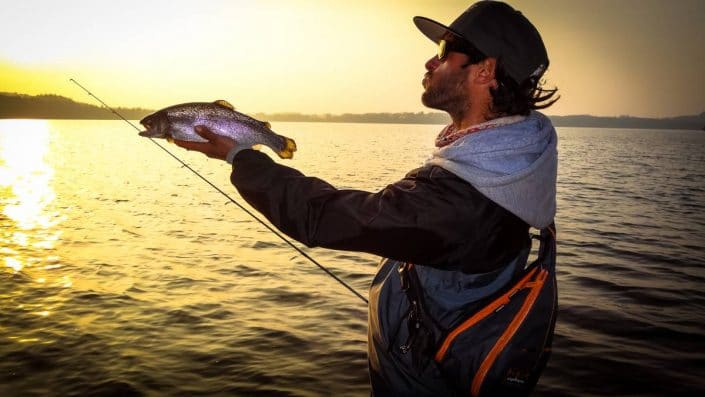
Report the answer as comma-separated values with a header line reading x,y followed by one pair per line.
x,y
204,132
212,137
188,145
217,146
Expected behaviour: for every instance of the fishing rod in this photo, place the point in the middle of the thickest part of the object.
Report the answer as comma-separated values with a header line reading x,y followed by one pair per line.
x,y
248,212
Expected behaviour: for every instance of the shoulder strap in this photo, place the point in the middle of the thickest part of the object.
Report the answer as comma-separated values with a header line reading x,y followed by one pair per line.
x,y
547,248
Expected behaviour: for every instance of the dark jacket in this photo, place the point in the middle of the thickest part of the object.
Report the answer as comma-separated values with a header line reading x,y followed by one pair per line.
x,y
430,217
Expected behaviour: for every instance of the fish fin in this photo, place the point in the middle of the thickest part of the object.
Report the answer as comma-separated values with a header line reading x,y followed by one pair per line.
x,y
224,103
289,149
264,123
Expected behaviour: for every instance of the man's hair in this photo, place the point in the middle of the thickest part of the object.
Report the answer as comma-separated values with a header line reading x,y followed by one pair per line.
x,y
511,98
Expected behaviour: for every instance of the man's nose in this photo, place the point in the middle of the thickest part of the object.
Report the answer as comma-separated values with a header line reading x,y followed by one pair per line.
x,y
432,64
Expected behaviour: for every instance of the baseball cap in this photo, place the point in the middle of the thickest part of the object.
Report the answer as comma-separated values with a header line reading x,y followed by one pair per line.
x,y
499,31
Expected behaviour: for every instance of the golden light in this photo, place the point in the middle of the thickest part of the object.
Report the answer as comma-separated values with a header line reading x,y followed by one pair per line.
x,y
23,170
25,193
14,264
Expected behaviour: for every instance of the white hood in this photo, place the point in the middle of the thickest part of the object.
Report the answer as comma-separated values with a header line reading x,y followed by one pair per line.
x,y
513,165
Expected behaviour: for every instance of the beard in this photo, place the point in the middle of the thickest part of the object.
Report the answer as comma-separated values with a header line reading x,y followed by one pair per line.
x,y
447,93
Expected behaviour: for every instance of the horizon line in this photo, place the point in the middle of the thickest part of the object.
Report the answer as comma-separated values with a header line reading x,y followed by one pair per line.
x,y
430,111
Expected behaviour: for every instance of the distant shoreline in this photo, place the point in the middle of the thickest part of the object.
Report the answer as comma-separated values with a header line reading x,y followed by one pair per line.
x,y
20,106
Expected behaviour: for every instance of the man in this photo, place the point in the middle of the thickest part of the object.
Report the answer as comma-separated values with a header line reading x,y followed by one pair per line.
x,y
454,309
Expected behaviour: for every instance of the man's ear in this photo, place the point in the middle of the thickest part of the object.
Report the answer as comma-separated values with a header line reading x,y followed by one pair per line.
x,y
486,71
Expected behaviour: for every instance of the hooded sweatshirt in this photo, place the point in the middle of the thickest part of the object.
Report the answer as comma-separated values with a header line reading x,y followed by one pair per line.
x,y
513,165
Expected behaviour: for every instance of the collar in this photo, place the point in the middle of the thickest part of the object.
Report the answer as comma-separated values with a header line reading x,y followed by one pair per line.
x,y
450,134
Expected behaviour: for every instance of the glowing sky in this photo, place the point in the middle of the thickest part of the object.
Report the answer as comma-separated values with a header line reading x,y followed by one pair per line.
x,y
642,58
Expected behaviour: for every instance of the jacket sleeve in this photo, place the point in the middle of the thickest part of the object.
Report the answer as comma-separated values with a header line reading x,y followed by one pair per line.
x,y
417,219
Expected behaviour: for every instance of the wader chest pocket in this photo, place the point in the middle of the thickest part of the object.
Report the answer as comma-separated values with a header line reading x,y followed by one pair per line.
x,y
508,345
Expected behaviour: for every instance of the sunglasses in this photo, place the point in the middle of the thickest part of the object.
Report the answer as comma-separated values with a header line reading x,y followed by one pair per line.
x,y
446,46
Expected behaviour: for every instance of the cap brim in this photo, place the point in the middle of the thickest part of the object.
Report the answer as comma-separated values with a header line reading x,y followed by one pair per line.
x,y
432,29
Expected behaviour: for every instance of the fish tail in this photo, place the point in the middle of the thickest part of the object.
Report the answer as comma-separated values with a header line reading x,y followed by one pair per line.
x,y
289,148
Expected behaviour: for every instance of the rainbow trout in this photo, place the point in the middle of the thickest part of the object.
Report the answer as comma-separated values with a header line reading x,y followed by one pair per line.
x,y
178,121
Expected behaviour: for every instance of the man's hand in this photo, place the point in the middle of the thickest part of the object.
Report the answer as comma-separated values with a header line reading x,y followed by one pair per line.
x,y
217,146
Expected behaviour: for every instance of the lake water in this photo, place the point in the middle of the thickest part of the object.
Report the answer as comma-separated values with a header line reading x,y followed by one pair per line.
x,y
122,274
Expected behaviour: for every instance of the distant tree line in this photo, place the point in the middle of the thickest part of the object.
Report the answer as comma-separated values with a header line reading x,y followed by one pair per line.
x,y
396,118
19,106
696,122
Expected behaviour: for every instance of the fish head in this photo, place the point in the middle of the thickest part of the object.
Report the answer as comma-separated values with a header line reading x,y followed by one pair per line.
x,y
157,125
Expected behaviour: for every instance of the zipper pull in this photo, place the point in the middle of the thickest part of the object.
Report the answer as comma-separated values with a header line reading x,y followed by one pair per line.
x,y
413,325
403,276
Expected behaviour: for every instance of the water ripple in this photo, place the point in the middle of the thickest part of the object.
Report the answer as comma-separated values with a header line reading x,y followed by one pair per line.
x,y
143,284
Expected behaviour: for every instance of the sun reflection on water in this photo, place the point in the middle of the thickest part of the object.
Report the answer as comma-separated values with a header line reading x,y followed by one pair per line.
x,y
26,194
25,172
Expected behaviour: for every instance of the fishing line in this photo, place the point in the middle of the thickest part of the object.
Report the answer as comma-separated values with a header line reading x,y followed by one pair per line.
x,y
248,212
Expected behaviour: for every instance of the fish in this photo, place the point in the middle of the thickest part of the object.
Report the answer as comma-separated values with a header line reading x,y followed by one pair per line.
x,y
177,122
